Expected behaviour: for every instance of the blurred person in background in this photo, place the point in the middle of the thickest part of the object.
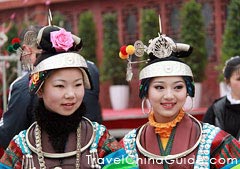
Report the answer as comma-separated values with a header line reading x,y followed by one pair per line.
x,y
225,111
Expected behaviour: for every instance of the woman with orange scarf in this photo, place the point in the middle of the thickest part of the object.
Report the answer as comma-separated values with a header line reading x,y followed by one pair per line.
x,y
172,138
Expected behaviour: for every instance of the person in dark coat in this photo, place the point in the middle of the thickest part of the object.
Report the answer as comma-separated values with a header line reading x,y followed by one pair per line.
x,y
225,111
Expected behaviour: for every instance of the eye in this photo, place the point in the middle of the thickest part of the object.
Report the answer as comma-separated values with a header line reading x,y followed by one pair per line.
x,y
79,84
59,86
158,87
179,87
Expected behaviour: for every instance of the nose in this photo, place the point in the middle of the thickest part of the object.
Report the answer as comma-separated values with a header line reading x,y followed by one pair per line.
x,y
168,94
69,94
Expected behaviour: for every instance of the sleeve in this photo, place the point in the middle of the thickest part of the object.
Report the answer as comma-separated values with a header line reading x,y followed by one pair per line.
x,y
107,144
15,119
109,150
209,116
225,151
119,159
11,157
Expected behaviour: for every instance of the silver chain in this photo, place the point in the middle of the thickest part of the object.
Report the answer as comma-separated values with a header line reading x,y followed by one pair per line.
x,y
39,147
40,152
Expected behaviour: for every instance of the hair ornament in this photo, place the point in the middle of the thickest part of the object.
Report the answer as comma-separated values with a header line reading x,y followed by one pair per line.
x,y
59,49
49,17
159,47
15,46
55,39
61,40
36,80
127,52
30,38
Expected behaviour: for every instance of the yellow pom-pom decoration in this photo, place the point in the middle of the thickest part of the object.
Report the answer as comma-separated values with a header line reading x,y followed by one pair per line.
x,y
122,56
130,49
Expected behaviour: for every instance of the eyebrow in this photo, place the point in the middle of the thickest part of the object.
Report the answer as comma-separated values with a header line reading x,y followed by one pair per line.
x,y
180,81
62,80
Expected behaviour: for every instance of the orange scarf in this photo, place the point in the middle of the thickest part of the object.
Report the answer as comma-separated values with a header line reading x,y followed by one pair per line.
x,y
165,129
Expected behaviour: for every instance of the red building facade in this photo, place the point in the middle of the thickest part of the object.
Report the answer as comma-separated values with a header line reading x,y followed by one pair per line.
x,y
214,13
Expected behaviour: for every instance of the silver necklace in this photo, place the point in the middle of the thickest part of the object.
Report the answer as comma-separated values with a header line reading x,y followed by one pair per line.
x,y
41,154
168,157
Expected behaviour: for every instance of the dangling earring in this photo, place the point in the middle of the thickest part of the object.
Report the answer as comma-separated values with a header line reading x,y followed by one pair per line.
x,y
187,104
149,106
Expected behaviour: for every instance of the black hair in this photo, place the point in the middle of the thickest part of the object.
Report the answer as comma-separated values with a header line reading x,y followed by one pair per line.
x,y
231,65
145,82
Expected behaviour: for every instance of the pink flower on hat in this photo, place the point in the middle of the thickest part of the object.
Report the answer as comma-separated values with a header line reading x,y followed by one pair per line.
x,y
61,40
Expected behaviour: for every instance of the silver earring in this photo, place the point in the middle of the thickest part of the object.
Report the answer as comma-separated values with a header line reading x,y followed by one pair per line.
x,y
191,107
149,106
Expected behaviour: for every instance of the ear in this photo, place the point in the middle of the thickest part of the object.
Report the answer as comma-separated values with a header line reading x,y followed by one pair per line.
x,y
40,93
227,81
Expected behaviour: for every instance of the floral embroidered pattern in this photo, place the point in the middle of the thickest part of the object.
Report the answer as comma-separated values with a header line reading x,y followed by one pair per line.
x,y
36,79
61,40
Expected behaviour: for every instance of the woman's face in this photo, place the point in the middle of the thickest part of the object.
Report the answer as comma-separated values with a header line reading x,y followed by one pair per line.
x,y
234,83
63,91
167,96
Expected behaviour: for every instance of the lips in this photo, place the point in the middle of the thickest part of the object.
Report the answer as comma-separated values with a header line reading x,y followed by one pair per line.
x,y
68,105
168,105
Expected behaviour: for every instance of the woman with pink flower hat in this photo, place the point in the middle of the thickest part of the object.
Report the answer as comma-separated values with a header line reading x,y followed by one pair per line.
x,y
61,136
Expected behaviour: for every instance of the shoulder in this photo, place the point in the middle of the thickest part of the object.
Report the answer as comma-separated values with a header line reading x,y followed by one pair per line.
x,y
21,82
22,79
90,63
220,100
97,128
14,152
222,139
92,66
129,144
128,140
19,141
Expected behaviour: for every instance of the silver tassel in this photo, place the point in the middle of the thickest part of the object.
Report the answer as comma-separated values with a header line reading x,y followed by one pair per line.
x,y
94,158
27,162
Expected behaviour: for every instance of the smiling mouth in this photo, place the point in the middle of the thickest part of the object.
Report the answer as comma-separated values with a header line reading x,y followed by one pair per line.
x,y
168,105
68,105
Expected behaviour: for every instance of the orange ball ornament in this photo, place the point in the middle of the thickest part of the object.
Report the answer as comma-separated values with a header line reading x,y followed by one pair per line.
x,y
122,56
130,49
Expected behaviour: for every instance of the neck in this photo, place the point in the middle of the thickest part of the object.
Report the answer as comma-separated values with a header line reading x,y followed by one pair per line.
x,y
165,129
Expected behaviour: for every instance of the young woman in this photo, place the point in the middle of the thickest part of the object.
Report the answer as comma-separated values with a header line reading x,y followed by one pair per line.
x,y
61,137
225,111
172,138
